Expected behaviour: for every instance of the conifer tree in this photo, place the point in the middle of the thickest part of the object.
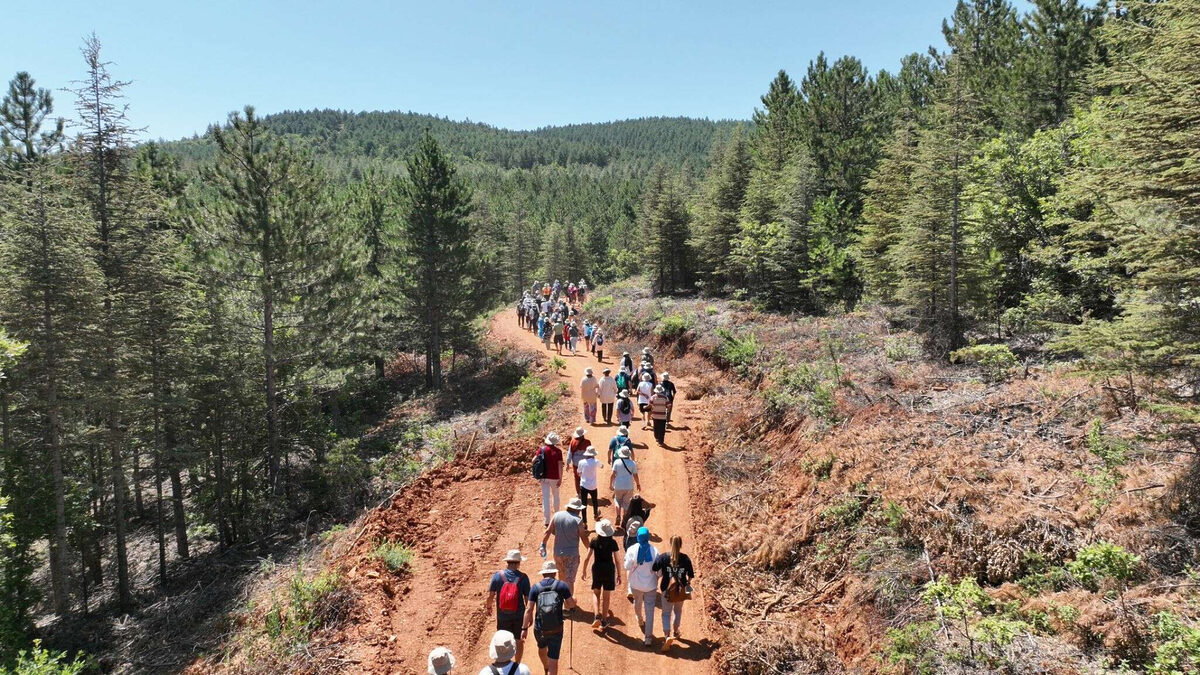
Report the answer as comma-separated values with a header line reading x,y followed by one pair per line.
x,y
439,290
52,301
985,37
22,113
1062,45
722,193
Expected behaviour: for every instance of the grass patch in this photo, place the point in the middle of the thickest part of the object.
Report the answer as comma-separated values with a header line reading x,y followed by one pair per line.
x,y
394,556
310,605
597,302
674,327
737,351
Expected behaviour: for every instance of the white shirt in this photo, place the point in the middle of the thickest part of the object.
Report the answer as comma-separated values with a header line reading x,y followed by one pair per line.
x,y
641,577
589,473
504,670
608,389
645,390
588,389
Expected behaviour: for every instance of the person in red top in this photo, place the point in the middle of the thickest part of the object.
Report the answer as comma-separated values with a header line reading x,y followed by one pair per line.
x,y
553,459
575,449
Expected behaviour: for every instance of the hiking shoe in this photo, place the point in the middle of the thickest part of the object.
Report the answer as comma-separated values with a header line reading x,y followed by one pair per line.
x,y
666,645
628,596
648,641
597,624
677,635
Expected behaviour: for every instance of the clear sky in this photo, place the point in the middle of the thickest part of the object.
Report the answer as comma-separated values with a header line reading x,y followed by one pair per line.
x,y
518,64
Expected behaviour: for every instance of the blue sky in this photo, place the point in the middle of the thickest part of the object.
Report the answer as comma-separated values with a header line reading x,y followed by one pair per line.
x,y
515,64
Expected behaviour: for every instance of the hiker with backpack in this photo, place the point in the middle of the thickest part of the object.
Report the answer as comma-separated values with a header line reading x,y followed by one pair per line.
x,y
507,592
589,393
544,615
627,363
521,313
441,661
647,368
621,440
624,408
675,570
668,389
598,344
506,655
643,582
644,391
606,392
603,554
547,469
588,329
659,404
639,509
568,529
623,481
647,357
547,332
556,331
622,380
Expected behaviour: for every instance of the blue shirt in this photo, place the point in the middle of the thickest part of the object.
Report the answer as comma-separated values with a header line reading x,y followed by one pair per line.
x,y
516,576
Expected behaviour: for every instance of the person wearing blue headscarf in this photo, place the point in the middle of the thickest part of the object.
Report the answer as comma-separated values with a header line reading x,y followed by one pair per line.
x,y
643,582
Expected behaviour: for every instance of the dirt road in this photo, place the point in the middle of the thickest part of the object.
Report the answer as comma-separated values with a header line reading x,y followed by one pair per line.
x,y
664,482
462,517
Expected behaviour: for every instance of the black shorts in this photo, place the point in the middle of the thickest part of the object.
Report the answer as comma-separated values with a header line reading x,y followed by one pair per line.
x,y
643,407
604,579
551,643
511,624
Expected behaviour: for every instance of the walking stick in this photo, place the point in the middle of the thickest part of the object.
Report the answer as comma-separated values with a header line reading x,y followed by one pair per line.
x,y
571,653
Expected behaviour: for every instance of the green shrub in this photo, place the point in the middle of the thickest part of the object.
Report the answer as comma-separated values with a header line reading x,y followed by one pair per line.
x,y
1178,649
893,513
394,555
674,327
534,402
819,467
994,360
38,661
1113,451
557,365
329,535
310,605
737,352
597,302
441,439
801,388
711,311
901,348
912,647
1102,560
846,512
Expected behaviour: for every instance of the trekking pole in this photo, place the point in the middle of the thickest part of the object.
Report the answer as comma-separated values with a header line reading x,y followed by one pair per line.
x,y
571,652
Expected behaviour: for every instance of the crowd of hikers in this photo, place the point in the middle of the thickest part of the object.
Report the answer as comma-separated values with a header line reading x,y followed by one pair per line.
x,y
616,549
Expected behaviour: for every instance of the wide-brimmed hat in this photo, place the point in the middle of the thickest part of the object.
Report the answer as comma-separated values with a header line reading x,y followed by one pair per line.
x,y
624,353
658,389
514,555
645,350
552,438
634,525
622,430
622,452
503,647
549,568
575,505
646,377
440,661
590,452
604,528
587,371
607,371
579,432
623,394
666,376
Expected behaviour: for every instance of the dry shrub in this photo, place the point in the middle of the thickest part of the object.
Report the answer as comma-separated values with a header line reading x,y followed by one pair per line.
x,y
771,649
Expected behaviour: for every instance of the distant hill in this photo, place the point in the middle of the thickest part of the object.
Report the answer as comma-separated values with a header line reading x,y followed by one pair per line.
x,y
385,137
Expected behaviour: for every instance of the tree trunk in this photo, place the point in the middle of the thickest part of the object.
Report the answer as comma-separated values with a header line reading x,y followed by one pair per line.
x,y
159,527
378,361
269,359
139,506
59,568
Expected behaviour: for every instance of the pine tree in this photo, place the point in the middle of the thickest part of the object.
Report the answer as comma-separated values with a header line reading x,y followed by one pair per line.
x,y
985,38
932,235
776,124
1063,43
373,207
722,193
276,224
439,293
52,301
22,112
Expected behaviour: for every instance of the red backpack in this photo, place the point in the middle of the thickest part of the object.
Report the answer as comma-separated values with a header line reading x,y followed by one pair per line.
x,y
510,597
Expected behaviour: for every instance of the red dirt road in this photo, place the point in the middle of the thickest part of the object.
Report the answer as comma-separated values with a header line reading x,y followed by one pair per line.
x,y
462,517
664,481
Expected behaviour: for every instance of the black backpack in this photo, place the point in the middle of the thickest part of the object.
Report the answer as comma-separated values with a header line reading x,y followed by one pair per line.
x,y
624,406
539,464
549,611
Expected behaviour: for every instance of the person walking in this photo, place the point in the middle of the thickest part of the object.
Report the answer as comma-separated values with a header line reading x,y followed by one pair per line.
x,y
556,333
647,356
643,582
441,661
623,481
568,530
669,389
598,344
575,448
644,392
639,508
506,655
589,393
588,328
521,313
627,363
624,408
547,600
676,573
507,593
573,338
606,392
659,403
551,462
603,554
621,440
622,380
589,482
547,331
